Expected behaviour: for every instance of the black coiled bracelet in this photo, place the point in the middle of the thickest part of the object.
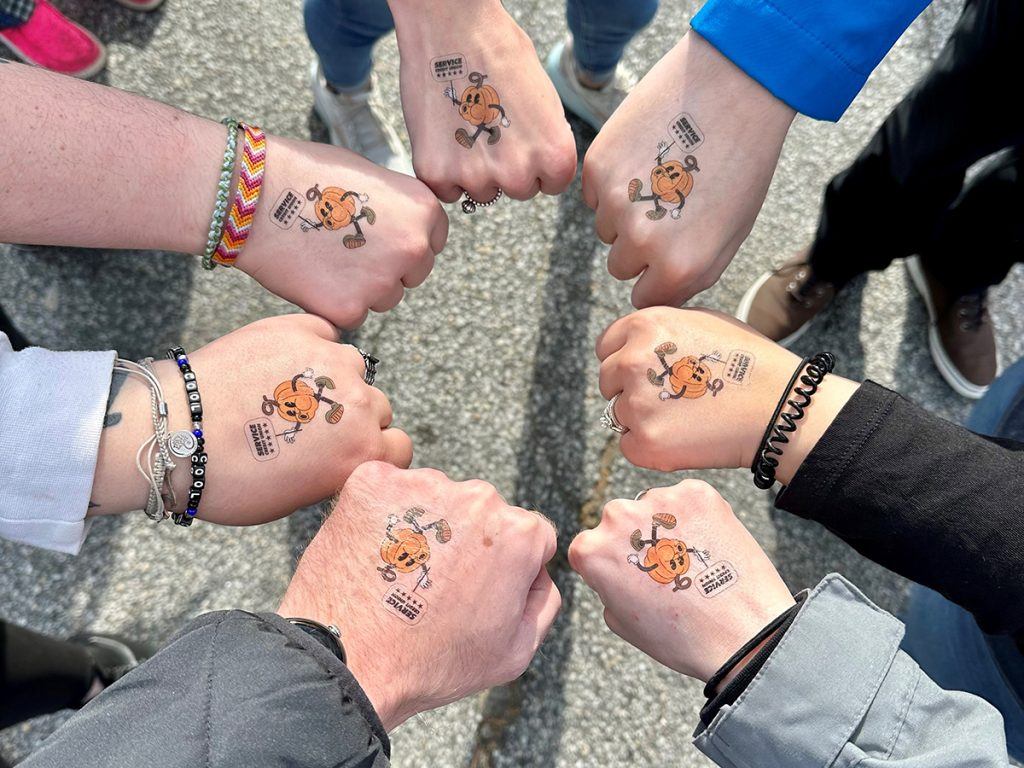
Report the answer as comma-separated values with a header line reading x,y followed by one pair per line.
x,y
810,372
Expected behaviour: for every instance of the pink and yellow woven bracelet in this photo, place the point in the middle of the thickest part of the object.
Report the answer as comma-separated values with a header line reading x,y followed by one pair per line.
x,y
247,196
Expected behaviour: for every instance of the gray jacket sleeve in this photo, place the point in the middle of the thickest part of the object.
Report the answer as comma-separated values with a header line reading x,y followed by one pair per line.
x,y
232,689
837,691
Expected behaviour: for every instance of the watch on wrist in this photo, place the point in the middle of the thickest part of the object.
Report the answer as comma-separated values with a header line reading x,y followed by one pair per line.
x,y
329,636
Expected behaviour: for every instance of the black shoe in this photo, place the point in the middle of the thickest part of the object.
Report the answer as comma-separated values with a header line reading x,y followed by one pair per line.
x,y
112,657
13,334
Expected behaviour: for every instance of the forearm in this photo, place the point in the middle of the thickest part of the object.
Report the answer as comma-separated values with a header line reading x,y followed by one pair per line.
x,y
923,497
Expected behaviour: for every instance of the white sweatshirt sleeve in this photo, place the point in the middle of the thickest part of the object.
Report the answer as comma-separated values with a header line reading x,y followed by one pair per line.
x,y
52,406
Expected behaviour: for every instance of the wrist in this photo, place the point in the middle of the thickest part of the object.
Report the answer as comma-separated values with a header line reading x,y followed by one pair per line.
x,y
833,393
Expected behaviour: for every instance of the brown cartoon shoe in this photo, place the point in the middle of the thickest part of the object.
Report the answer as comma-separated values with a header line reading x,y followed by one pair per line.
x,y
354,241
495,135
664,519
635,188
656,215
636,540
783,302
334,415
369,215
961,337
464,138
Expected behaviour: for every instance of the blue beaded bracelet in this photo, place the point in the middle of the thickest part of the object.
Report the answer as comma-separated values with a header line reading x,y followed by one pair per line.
x,y
190,444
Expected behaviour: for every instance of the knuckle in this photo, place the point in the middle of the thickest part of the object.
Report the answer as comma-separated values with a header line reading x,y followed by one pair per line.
x,y
700,491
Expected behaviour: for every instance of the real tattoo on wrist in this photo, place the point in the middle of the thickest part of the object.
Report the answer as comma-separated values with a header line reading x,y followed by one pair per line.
x,y
667,561
331,209
671,180
295,401
406,550
693,376
113,418
479,105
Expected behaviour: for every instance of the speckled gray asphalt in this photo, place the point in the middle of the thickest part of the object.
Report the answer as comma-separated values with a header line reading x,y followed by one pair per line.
x,y
520,291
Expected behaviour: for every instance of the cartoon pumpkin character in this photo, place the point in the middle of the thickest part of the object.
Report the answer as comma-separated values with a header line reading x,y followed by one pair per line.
x,y
671,184
296,401
667,560
480,106
406,549
335,209
687,378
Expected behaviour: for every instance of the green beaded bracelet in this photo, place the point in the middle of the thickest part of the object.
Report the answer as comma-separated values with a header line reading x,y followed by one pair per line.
x,y
220,210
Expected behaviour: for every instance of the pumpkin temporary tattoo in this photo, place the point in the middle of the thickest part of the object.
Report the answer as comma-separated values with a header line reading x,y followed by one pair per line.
x,y
334,208
671,184
668,561
480,106
405,549
296,401
689,377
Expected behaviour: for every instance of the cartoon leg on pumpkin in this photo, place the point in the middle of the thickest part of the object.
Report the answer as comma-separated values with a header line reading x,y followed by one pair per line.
x,y
358,239
467,141
658,379
442,531
635,188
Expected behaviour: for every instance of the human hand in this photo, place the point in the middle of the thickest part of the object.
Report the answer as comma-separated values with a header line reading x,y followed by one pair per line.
x,y
338,235
676,203
480,110
692,592
287,416
697,388
439,588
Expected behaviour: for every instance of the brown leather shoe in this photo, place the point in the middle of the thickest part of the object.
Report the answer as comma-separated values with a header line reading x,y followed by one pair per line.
x,y
961,337
781,304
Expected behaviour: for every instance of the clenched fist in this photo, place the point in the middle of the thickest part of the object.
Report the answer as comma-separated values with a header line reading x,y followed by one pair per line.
x,y
438,587
287,417
680,577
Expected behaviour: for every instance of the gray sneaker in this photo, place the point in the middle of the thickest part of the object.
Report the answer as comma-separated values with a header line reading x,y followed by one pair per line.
x,y
592,106
351,123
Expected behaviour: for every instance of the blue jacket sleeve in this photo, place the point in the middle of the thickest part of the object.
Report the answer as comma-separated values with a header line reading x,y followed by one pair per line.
x,y
815,55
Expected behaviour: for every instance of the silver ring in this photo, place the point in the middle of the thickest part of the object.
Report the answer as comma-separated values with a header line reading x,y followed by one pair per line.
x,y
469,205
642,493
608,420
371,364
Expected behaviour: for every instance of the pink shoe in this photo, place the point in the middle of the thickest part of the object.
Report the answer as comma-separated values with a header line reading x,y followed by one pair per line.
x,y
52,41
141,5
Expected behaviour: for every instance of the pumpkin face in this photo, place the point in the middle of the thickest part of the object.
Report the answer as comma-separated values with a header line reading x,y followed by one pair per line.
x,y
473,106
690,377
408,553
296,401
335,210
670,558
671,182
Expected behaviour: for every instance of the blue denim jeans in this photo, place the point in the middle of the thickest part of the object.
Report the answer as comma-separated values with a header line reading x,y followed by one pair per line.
x,y
342,32
944,638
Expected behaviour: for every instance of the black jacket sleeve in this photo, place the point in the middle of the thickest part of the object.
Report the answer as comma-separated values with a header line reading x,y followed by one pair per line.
x,y
233,689
927,499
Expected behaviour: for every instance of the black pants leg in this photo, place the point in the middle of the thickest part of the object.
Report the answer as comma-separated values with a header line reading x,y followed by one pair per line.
x,y
891,202
13,334
39,674
983,228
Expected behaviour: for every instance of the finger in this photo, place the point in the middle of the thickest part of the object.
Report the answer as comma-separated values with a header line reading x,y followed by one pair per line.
x,y
542,606
604,224
381,406
613,622
351,358
482,190
662,284
556,174
397,447
422,267
611,379
438,235
522,188
315,324
588,185
614,337
578,548
625,263
390,298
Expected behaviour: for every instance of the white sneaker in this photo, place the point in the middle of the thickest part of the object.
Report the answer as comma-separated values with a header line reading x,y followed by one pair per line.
x,y
352,124
592,106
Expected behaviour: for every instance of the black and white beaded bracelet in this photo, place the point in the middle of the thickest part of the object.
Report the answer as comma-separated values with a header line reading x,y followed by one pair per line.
x,y
190,444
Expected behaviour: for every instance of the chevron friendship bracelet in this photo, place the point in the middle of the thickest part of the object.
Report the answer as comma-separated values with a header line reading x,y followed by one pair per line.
x,y
247,196
220,209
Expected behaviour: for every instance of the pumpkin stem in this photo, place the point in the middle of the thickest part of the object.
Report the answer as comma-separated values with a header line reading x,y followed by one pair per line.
x,y
477,78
